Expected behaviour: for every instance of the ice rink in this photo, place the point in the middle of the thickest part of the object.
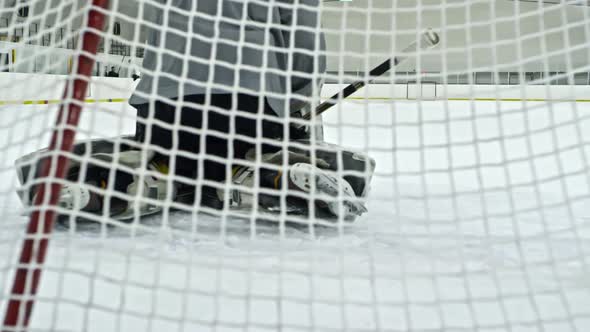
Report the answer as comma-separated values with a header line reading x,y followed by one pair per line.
x,y
479,220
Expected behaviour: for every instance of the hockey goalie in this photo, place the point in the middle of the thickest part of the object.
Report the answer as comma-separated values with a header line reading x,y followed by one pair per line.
x,y
218,123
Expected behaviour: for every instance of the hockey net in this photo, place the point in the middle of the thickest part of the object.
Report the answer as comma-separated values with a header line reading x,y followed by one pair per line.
x,y
478,215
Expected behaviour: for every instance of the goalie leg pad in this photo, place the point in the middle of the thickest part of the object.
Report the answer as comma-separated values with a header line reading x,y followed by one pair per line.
x,y
152,186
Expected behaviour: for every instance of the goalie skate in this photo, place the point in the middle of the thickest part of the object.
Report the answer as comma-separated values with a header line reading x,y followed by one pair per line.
x,y
341,200
73,196
333,197
87,195
138,189
313,191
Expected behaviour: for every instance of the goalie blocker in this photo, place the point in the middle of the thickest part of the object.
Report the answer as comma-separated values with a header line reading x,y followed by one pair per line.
x,y
333,188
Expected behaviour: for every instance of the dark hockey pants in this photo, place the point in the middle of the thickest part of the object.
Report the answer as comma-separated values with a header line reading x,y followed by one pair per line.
x,y
221,112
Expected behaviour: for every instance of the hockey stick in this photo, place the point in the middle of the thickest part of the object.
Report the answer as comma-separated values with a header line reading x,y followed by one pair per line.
x,y
427,40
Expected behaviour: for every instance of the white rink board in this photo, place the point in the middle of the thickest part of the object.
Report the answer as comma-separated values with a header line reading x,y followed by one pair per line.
x,y
454,240
50,87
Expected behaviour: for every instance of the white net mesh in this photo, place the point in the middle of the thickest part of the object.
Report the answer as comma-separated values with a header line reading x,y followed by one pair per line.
x,y
478,214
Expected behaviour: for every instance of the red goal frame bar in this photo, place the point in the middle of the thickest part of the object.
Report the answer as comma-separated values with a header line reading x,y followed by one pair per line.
x,y
34,247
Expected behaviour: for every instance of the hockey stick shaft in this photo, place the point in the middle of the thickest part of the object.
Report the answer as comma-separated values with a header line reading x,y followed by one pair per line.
x,y
428,39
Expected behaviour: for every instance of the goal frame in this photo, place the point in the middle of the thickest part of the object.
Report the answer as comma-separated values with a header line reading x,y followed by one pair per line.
x,y
34,248
475,213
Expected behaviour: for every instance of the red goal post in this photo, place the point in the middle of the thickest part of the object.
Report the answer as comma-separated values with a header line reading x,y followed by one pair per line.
x,y
34,248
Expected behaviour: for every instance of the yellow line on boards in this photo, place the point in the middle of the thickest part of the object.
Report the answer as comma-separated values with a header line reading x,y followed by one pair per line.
x,y
527,99
57,101
473,99
122,100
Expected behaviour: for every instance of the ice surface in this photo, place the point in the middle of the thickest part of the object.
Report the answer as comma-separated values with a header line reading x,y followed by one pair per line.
x,y
479,221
